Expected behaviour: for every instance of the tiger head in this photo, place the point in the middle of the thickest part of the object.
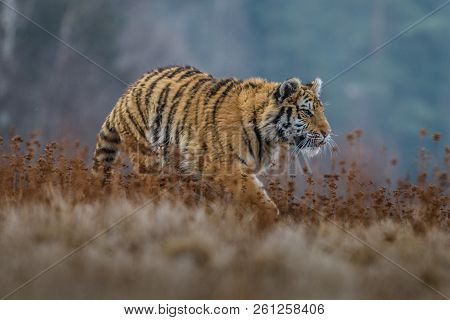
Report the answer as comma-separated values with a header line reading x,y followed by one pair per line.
x,y
296,116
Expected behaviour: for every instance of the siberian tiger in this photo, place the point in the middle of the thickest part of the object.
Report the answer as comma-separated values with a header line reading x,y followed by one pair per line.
x,y
225,128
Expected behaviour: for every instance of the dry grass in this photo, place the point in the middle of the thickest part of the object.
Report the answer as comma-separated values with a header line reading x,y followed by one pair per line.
x,y
183,245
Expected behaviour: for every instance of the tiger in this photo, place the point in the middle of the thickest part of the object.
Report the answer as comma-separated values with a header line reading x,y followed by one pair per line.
x,y
227,128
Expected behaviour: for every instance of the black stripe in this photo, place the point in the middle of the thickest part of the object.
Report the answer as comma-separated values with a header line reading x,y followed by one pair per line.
x,y
280,133
190,73
246,139
175,101
108,124
189,133
212,91
288,116
277,95
144,81
152,87
149,75
111,130
258,136
241,160
125,123
106,150
112,116
216,107
177,135
176,71
109,159
217,86
164,68
133,120
192,94
152,73
122,118
221,98
262,106
279,115
159,110
249,85
137,99
114,140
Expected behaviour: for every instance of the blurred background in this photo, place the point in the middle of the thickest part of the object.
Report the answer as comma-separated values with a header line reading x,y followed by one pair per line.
x,y
47,87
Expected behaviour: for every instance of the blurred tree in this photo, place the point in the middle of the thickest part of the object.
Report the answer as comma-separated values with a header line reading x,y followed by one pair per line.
x,y
50,87
44,85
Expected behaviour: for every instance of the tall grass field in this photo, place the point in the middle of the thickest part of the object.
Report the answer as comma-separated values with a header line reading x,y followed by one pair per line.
x,y
351,227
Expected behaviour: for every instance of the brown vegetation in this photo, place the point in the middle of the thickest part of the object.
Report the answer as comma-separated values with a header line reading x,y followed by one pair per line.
x,y
187,242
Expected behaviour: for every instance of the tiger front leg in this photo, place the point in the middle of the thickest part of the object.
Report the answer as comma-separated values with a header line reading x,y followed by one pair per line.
x,y
252,195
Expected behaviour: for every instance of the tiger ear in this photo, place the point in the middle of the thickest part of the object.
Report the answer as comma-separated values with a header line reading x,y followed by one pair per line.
x,y
317,86
287,89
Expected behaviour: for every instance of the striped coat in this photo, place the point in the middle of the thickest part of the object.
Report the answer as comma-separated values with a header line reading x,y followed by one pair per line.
x,y
226,128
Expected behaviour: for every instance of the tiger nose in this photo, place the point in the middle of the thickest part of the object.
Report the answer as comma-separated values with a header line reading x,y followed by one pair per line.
x,y
325,133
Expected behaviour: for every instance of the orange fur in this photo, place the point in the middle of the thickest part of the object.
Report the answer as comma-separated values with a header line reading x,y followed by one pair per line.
x,y
227,129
